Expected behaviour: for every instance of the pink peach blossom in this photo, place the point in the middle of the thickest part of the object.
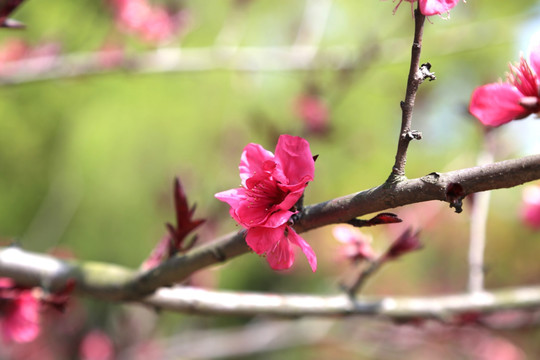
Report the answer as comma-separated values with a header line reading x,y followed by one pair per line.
x,y
96,345
312,110
499,103
432,7
271,186
19,313
530,211
356,245
152,24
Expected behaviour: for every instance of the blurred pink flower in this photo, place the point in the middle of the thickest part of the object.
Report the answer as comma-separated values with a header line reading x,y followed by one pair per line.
x,y
19,312
313,112
356,245
111,55
151,23
12,50
271,186
96,345
530,210
498,103
483,345
432,7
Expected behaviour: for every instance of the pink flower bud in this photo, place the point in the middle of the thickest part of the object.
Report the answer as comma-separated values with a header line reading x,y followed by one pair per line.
x,y
271,186
407,242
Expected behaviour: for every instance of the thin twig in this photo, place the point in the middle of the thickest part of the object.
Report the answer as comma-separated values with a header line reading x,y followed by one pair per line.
x,y
363,276
413,81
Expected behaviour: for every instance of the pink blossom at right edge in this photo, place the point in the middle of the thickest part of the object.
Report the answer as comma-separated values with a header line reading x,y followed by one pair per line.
x,y
530,211
499,103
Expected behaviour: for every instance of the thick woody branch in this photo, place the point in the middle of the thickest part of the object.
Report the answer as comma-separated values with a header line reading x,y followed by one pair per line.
x,y
116,283
434,186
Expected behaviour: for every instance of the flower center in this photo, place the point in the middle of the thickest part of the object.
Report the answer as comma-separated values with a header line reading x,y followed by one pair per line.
x,y
523,78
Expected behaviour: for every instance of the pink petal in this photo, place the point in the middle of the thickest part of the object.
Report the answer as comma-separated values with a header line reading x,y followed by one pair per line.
x,y
345,234
21,323
235,198
96,345
534,54
262,240
530,210
252,161
6,283
279,251
294,156
436,7
281,257
496,104
232,197
292,197
278,218
308,251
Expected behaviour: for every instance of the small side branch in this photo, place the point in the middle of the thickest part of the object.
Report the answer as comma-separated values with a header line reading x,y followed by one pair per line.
x,y
417,75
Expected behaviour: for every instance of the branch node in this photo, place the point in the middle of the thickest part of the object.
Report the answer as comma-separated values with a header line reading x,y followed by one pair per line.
x,y
455,195
413,135
218,254
425,73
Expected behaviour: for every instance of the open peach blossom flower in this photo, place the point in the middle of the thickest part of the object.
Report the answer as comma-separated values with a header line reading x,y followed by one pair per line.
x,y
271,186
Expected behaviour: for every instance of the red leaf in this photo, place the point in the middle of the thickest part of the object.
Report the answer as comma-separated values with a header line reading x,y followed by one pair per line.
x,y
6,8
160,253
384,218
184,223
407,242
174,241
379,219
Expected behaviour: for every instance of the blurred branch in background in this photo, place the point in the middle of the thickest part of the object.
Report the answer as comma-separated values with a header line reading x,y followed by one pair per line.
x,y
479,215
163,60
97,280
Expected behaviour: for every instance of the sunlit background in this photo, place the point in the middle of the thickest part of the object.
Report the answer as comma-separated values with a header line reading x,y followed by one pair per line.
x,y
87,162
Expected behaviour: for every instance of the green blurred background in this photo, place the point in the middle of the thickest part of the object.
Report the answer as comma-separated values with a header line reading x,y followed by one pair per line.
x,y
87,163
